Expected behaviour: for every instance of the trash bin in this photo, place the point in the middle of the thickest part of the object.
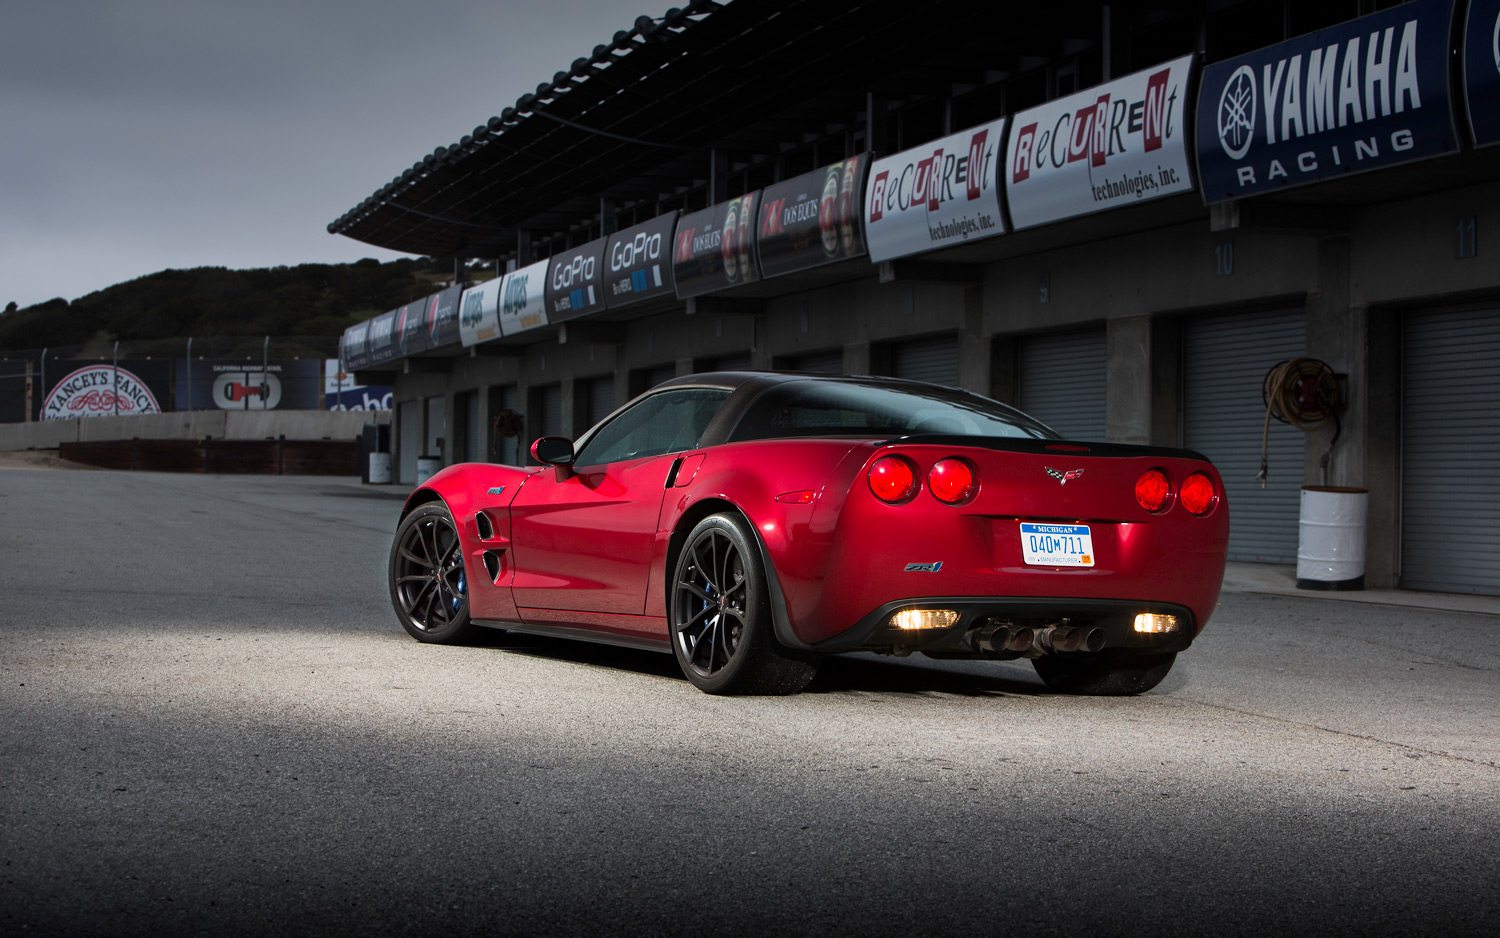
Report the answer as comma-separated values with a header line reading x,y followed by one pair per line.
x,y
1331,538
379,472
375,438
427,467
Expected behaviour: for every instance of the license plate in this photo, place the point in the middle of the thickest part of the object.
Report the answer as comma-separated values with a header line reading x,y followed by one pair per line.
x,y
1057,545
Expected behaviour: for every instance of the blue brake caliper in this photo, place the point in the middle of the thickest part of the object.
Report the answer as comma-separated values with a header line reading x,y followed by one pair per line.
x,y
459,589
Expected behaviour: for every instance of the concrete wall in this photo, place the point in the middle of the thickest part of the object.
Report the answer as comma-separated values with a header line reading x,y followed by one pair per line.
x,y
192,425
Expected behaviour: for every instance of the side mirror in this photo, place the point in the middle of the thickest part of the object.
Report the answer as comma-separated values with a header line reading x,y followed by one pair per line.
x,y
553,450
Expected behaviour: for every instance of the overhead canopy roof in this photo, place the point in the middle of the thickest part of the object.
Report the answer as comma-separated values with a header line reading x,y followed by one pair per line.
x,y
637,118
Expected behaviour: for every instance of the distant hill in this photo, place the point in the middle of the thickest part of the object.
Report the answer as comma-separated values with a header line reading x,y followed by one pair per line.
x,y
205,302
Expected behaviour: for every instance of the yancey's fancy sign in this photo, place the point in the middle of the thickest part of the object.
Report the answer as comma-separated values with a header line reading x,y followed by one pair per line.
x,y
99,390
937,195
1118,144
1362,95
1482,70
637,262
715,249
523,299
813,219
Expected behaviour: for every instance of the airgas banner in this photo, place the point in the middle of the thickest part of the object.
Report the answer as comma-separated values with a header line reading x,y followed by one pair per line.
x,y
715,249
638,262
523,299
575,282
1482,70
479,313
1362,95
1118,144
813,219
938,195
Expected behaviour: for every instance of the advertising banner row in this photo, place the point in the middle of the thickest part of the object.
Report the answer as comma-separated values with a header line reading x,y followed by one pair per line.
x,y
1367,94
88,388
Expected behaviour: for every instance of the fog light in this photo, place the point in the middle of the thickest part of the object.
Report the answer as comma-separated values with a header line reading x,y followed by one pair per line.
x,y
1155,623
911,620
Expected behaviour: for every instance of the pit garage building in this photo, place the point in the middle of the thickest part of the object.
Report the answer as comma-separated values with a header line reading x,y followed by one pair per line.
x,y
1119,217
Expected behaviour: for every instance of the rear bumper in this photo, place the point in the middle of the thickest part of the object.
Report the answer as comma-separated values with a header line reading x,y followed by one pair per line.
x,y
1114,617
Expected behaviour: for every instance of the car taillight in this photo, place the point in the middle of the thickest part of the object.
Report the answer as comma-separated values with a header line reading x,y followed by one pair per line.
x,y
951,480
893,479
1151,489
1197,493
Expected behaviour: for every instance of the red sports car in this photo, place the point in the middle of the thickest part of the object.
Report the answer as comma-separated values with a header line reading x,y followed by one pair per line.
x,y
754,522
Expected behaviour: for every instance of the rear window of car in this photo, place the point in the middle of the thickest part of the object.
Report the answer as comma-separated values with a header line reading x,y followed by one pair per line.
x,y
839,408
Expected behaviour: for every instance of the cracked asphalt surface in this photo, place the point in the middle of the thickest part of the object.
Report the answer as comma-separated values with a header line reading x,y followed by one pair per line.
x,y
210,721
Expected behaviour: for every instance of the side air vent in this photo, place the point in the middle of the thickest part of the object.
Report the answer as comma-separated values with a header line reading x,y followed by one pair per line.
x,y
486,529
492,564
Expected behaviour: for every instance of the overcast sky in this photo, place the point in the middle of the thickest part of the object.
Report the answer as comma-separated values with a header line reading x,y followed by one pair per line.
x,y
138,135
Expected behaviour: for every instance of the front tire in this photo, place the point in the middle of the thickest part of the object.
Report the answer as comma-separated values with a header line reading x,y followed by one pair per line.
x,y
429,587
719,615
1108,673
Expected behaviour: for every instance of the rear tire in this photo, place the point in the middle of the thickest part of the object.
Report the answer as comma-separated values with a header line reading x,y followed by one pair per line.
x,y
1108,673
429,586
719,615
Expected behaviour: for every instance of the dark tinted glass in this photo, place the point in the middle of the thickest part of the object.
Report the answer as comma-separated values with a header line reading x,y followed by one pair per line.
x,y
834,408
665,422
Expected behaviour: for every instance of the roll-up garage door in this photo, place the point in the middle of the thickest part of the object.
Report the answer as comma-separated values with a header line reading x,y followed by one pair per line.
x,y
648,378
933,360
549,409
1450,449
600,401
1063,382
740,362
830,362
1225,360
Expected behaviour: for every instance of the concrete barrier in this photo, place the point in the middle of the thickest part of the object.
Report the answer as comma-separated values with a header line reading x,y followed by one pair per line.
x,y
193,425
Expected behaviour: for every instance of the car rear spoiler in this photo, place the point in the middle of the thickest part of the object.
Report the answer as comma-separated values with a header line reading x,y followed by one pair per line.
x,y
1044,447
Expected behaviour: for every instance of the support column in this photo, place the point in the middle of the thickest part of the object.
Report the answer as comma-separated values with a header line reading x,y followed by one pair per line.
x,y
1128,380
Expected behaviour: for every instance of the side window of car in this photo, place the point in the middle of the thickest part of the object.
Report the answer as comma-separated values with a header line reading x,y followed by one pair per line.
x,y
665,422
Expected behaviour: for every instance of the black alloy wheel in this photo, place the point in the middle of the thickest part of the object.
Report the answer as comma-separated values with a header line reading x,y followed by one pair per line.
x,y
429,587
720,615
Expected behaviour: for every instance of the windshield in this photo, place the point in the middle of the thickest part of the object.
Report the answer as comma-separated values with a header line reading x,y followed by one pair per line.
x,y
841,408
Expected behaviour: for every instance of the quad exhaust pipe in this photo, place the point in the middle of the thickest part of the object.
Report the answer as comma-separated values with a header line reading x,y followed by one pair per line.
x,y
1035,642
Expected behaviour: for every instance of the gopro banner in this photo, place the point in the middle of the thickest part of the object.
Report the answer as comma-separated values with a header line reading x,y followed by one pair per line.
x,y
523,299
715,249
813,219
99,389
637,263
575,282
938,195
1118,144
1358,96
1482,70
479,313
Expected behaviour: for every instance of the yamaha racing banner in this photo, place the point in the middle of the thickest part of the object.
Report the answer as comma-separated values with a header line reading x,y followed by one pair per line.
x,y
242,385
1121,143
637,265
1362,95
938,195
715,249
523,299
479,313
575,282
813,219
1482,70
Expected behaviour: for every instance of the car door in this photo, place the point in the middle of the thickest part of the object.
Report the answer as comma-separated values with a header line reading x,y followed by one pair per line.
x,y
583,538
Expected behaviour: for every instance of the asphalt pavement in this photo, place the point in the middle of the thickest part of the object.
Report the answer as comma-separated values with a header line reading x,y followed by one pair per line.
x,y
211,722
